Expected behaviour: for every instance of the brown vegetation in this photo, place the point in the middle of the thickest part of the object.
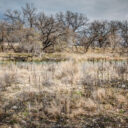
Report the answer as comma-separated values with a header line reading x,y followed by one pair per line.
x,y
69,94
36,32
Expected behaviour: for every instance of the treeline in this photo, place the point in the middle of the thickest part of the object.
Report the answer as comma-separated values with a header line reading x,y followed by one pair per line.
x,y
27,30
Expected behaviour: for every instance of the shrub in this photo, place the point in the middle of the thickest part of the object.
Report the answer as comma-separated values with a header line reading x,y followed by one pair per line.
x,y
7,80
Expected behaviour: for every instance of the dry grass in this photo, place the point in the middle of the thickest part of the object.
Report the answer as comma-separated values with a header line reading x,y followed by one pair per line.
x,y
91,55
38,95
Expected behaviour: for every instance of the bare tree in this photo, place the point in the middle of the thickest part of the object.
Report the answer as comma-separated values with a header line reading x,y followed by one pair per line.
x,y
114,34
49,30
87,39
14,17
124,33
99,31
14,27
74,21
2,35
29,12
17,33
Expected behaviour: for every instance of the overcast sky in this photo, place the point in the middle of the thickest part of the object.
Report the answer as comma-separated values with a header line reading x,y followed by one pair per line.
x,y
93,9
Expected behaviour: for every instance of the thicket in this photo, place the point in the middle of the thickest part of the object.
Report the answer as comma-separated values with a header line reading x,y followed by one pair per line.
x,y
27,30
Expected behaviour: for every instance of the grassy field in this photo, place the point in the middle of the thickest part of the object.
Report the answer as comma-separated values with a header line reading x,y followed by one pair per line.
x,y
95,55
65,90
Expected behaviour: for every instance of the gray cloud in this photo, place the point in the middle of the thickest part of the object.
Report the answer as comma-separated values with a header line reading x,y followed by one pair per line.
x,y
94,9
